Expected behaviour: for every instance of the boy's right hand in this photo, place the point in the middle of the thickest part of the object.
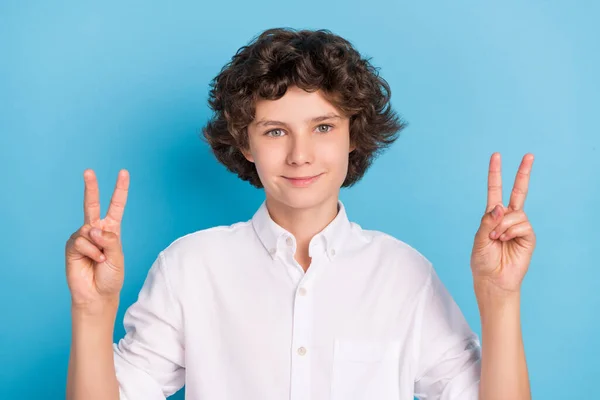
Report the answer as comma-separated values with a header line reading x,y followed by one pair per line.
x,y
95,263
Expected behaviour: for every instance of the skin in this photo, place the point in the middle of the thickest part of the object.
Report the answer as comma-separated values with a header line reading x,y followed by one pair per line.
x,y
296,146
502,251
504,243
95,271
299,147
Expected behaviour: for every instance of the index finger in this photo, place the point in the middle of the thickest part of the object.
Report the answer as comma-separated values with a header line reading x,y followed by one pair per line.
x,y
119,198
91,197
494,196
519,192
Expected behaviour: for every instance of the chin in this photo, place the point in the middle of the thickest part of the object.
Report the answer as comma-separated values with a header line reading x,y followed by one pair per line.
x,y
302,199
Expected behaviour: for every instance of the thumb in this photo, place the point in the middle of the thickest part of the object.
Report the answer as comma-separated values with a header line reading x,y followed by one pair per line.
x,y
491,220
110,242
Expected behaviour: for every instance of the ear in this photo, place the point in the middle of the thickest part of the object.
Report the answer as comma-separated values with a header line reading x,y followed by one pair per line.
x,y
352,147
247,154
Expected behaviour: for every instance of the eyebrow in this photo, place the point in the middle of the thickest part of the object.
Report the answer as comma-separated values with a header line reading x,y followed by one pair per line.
x,y
320,118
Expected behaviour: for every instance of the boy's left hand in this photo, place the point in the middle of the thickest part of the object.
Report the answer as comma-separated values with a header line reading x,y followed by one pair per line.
x,y
505,240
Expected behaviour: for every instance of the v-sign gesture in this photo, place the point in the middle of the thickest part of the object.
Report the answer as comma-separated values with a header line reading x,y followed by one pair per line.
x,y
505,240
94,255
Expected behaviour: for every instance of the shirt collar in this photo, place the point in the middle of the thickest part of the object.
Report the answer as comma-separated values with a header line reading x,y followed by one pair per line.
x,y
275,238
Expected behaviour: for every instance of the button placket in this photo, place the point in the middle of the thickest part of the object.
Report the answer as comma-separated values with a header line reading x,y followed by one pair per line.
x,y
301,336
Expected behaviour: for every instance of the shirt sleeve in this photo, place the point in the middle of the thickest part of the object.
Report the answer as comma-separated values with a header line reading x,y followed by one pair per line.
x,y
149,359
449,352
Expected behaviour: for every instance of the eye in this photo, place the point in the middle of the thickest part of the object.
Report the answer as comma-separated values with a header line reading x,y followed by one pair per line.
x,y
279,132
326,125
270,133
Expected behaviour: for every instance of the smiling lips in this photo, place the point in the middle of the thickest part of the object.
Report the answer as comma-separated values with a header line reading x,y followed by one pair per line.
x,y
302,181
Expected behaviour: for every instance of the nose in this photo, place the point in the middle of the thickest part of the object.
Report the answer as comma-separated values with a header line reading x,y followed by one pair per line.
x,y
301,150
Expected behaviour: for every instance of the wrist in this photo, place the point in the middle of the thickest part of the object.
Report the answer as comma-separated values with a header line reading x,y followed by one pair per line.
x,y
93,326
98,310
491,298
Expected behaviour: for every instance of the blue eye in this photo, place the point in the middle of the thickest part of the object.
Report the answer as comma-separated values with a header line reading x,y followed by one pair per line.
x,y
274,130
329,126
271,132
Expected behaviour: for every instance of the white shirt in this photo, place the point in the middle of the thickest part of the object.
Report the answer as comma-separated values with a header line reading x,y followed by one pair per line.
x,y
230,313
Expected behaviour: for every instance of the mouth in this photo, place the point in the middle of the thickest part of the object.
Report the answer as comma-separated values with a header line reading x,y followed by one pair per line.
x,y
302,181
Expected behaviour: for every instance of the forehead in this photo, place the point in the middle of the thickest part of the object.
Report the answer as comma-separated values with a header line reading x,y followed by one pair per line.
x,y
296,104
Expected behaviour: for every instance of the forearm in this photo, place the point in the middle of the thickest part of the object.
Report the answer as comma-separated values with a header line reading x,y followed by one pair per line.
x,y
91,372
503,365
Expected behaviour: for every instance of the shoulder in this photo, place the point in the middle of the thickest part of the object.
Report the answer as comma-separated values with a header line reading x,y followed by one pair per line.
x,y
385,243
388,251
198,245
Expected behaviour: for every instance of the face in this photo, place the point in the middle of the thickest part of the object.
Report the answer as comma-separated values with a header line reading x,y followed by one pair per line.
x,y
299,145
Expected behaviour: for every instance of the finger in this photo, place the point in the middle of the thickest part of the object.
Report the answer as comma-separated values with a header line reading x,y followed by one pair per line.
x,y
119,198
91,198
519,192
490,220
523,229
85,232
110,242
505,223
82,246
494,182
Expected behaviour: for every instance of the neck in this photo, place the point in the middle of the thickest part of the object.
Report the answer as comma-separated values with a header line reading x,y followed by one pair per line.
x,y
303,223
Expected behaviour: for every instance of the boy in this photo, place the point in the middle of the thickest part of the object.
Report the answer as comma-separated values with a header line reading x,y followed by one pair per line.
x,y
298,302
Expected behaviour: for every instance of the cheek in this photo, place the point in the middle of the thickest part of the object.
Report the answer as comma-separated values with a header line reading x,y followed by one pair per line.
x,y
335,154
266,160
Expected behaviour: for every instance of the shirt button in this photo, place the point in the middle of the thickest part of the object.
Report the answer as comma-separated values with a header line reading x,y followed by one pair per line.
x,y
302,291
289,241
301,351
332,252
272,251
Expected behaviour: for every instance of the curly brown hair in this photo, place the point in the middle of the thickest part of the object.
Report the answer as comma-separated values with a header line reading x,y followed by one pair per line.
x,y
311,60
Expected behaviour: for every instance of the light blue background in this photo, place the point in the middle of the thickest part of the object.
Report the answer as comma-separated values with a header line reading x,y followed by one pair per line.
x,y
118,85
